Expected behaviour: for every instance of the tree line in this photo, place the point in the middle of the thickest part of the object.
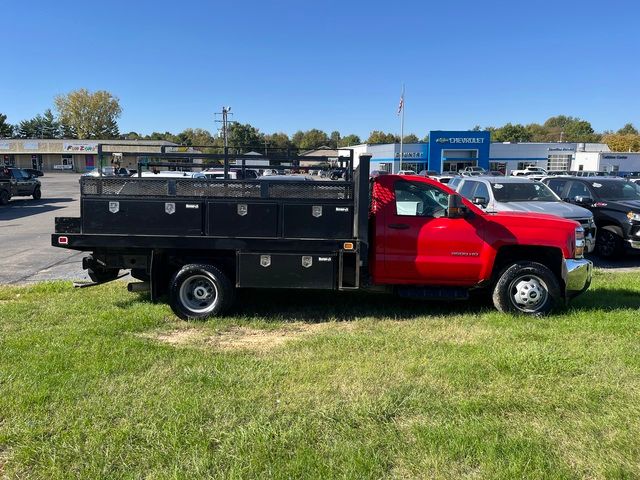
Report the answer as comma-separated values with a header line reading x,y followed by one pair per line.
x,y
94,115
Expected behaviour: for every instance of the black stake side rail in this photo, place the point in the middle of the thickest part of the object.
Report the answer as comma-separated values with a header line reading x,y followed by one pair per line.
x,y
279,159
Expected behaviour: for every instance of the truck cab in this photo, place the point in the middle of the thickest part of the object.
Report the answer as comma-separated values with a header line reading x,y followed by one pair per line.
x,y
425,235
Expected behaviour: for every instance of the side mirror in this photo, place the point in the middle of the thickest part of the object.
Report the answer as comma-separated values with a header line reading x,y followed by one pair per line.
x,y
455,207
579,200
481,201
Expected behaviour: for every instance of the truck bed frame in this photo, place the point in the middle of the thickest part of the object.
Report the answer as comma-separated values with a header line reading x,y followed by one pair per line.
x,y
262,233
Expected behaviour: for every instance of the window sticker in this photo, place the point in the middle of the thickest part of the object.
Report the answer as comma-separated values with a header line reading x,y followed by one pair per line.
x,y
498,186
597,185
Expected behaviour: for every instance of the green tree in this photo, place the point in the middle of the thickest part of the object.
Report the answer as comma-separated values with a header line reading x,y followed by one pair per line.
x,y
314,138
40,126
411,138
196,136
132,136
581,131
349,140
28,129
68,131
628,129
377,137
512,133
6,129
334,139
296,138
537,133
425,139
90,115
245,137
278,140
166,136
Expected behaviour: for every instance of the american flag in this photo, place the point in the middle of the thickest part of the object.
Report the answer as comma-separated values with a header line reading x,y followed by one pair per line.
x,y
401,104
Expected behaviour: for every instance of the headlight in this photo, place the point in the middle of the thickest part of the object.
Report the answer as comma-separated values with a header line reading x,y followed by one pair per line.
x,y
579,247
635,217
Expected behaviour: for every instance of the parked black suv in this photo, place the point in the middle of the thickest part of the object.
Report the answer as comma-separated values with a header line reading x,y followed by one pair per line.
x,y
15,182
615,204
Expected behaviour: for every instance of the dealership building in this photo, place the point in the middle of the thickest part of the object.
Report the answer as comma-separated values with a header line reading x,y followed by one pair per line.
x,y
450,151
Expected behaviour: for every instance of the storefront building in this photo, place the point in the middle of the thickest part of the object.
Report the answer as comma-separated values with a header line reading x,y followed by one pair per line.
x,y
74,155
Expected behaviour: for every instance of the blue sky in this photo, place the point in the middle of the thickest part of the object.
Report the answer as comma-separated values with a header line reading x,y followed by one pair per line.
x,y
284,65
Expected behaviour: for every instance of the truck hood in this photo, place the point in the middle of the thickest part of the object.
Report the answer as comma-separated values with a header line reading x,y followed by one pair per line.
x,y
561,209
530,219
623,205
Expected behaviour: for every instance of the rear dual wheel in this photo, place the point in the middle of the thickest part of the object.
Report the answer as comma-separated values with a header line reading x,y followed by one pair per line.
x,y
527,287
199,291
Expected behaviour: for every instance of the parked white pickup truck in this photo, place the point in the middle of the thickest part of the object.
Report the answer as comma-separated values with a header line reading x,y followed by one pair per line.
x,y
531,170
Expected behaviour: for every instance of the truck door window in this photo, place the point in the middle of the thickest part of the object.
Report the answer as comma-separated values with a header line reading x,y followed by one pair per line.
x,y
481,191
578,189
419,200
467,189
557,186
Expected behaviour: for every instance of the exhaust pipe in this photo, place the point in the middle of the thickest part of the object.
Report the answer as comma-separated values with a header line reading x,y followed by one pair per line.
x,y
138,287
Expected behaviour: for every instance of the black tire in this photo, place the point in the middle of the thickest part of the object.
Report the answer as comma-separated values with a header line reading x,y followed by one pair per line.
x,y
528,288
102,275
608,244
199,291
4,197
37,194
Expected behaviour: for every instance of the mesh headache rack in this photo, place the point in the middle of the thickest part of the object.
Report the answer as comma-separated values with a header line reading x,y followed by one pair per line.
x,y
168,161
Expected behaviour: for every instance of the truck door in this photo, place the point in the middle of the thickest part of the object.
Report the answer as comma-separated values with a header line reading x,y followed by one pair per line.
x,y
19,181
422,246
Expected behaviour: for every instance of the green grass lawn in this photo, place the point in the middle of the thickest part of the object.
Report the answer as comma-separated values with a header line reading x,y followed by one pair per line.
x,y
100,383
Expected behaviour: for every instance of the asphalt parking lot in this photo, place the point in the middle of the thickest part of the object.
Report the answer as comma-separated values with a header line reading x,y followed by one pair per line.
x,y
26,226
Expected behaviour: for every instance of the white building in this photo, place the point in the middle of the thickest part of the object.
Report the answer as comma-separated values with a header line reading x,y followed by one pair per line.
x,y
613,162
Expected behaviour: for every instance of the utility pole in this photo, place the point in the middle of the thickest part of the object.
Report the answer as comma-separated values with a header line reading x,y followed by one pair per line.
x,y
225,136
226,111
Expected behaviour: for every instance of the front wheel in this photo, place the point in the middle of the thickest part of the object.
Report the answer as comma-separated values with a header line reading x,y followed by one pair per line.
x,y
37,194
527,287
4,197
608,244
199,291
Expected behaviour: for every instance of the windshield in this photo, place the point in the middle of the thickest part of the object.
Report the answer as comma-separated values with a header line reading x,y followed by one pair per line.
x,y
617,190
523,192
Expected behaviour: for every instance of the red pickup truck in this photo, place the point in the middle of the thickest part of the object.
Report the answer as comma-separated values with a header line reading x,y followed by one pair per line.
x,y
197,240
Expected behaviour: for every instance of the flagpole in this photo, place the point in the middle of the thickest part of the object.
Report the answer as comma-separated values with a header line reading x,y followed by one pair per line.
x,y
402,130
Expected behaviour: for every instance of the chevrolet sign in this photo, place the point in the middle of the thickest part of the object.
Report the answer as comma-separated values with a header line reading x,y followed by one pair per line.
x,y
459,140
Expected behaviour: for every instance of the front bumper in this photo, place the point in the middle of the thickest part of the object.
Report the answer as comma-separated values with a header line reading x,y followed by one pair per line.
x,y
635,244
577,274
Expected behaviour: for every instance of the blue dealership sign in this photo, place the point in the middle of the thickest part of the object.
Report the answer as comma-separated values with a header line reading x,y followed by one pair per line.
x,y
450,148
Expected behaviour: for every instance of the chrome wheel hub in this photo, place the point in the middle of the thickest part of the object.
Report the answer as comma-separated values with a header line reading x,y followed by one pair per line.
x,y
199,294
528,293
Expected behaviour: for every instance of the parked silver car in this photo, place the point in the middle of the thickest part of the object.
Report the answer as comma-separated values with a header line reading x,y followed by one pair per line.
x,y
521,194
